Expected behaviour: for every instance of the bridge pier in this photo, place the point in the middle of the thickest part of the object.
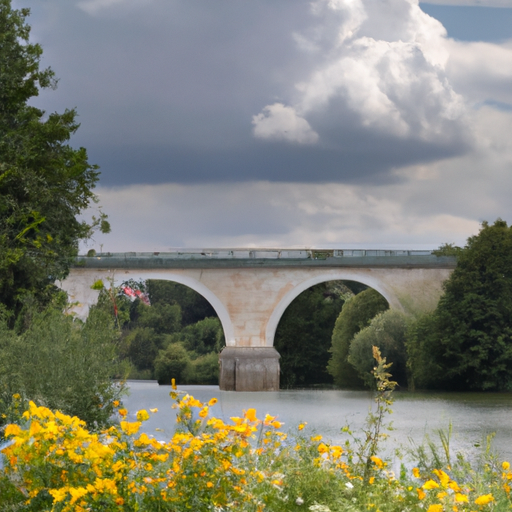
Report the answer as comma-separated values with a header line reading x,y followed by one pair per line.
x,y
249,369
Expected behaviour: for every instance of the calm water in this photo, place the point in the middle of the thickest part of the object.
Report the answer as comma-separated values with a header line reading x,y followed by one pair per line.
x,y
472,415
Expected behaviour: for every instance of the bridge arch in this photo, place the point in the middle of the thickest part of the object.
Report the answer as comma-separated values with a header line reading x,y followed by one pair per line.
x,y
341,275
195,285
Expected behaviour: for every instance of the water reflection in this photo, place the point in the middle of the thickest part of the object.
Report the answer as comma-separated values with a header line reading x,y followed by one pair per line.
x,y
473,415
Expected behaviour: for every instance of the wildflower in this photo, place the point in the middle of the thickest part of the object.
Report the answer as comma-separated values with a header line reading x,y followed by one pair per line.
x,y
461,498
430,484
142,415
437,507
322,448
484,499
250,414
349,485
299,501
377,461
505,465
319,508
153,411
416,472
421,494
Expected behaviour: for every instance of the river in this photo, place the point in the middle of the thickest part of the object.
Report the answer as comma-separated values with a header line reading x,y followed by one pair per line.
x,y
473,416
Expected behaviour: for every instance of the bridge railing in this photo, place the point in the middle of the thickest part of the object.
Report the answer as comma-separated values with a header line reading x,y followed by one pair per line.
x,y
222,254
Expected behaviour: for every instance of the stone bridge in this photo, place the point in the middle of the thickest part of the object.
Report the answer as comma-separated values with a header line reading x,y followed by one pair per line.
x,y
251,289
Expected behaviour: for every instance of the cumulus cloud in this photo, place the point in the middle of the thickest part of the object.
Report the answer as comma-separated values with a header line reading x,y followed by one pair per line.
x,y
282,123
481,71
384,66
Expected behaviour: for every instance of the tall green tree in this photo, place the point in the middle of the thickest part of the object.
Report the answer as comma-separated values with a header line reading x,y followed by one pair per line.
x,y
44,183
468,339
355,315
303,336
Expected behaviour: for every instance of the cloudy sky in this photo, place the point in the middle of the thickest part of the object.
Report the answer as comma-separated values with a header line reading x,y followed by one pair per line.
x,y
304,123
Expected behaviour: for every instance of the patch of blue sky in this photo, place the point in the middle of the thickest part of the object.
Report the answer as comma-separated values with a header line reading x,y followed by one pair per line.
x,y
473,23
498,105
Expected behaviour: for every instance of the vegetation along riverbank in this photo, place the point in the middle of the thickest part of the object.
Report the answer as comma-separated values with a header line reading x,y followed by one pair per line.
x,y
54,463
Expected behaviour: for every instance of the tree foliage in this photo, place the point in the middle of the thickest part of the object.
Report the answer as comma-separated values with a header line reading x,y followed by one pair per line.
x,y
63,364
44,183
356,314
388,332
303,336
469,337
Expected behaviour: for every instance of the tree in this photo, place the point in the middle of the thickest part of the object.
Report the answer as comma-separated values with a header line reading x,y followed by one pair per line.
x,y
356,314
469,337
44,183
303,336
194,307
388,332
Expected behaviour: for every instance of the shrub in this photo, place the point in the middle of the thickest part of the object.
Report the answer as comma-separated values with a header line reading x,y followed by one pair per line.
x,y
63,364
356,314
172,363
388,332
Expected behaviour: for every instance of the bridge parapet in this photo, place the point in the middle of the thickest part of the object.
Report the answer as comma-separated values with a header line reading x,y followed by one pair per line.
x,y
247,258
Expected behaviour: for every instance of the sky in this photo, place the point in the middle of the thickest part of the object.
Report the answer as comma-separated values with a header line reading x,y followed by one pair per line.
x,y
286,123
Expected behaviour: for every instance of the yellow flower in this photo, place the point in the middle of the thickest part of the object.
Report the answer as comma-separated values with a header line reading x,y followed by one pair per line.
x,y
153,411
173,384
322,448
12,430
316,438
484,499
209,485
416,472
122,412
142,415
505,465
212,402
454,486
421,493
443,477
461,498
435,508
378,462
203,412
301,426
130,428
58,494
430,484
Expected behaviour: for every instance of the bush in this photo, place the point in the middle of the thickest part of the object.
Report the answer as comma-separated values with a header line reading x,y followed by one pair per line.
x,y
205,369
388,332
63,364
173,363
356,314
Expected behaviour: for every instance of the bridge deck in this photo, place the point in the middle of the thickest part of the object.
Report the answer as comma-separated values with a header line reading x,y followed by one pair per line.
x,y
257,258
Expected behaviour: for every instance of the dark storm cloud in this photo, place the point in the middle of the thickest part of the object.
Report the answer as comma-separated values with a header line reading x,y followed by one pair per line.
x,y
166,91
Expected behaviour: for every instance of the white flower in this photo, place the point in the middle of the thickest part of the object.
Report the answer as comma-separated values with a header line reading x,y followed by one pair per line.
x,y
319,508
299,501
350,485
